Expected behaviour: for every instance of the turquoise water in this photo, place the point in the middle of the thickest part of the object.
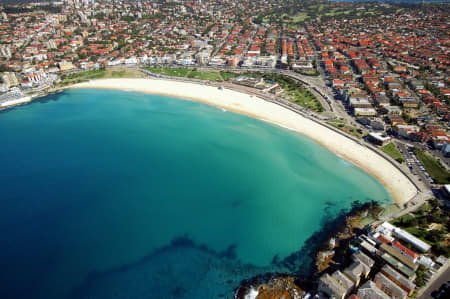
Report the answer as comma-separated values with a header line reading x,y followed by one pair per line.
x,y
108,194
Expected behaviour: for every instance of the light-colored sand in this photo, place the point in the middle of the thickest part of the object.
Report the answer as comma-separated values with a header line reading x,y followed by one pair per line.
x,y
395,182
15,102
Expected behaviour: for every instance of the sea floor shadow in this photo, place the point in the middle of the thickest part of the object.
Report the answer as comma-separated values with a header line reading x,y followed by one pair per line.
x,y
184,269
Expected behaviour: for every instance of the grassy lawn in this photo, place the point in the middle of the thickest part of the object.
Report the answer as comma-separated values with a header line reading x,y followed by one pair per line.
x,y
392,151
423,209
300,17
311,73
173,72
403,220
337,123
210,75
332,12
87,75
101,74
227,75
304,98
295,92
430,224
439,174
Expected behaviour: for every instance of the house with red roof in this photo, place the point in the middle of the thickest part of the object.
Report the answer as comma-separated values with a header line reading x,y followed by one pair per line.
x,y
411,255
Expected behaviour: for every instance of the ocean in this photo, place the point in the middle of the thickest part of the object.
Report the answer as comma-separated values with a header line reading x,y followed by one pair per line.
x,y
114,194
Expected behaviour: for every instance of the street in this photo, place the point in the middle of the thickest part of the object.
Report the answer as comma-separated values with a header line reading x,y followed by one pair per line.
x,y
414,168
435,285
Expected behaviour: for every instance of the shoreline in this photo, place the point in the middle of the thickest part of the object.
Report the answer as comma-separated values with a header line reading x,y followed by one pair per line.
x,y
398,185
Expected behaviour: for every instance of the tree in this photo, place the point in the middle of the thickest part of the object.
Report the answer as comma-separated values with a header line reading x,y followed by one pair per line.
x,y
420,276
434,236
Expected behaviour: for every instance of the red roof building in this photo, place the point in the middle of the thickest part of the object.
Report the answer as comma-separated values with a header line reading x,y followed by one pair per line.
x,y
405,251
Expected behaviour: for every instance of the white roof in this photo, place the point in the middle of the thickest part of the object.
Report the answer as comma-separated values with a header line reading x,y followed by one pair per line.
x,y
419,244
380,137
447,188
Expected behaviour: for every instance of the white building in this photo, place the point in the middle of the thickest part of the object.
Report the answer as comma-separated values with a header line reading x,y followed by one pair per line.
x,y
5,51
388,229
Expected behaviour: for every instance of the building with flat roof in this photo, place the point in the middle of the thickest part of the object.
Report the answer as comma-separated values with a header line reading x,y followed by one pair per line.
x,y
389,287
400,280
65,66
365,112
411,255
397,265
416,242
10,79
369,290
388,229
446,188
330,287
389,249
344,281
379,138
368,247
356,270
363,258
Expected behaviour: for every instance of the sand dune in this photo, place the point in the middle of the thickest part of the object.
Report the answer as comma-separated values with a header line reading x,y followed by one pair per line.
x,y
395,182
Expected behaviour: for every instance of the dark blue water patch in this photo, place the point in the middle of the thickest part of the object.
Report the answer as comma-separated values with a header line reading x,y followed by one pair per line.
x,y
179,270
186,270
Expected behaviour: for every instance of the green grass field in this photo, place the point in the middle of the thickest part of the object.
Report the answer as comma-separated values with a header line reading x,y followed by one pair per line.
x,y
227,75
185,72
173,72
209,75
100,74
304,98
337,123
86,75
392,151
439,174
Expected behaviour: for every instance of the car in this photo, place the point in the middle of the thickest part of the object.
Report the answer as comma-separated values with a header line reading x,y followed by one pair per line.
x,y
441,294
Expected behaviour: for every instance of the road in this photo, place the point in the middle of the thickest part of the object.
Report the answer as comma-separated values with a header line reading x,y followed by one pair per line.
x,y
440,279
416,170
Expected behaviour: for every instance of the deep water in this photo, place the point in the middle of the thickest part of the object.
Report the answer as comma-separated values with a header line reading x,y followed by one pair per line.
x,y
109,194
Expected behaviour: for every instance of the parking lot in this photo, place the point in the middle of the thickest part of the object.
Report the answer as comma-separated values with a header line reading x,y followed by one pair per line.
x,y
414,165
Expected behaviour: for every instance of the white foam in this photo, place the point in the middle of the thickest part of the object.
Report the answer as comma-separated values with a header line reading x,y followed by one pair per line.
x,y
251,294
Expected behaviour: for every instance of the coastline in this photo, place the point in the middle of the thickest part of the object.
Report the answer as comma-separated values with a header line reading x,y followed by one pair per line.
x,y
398,185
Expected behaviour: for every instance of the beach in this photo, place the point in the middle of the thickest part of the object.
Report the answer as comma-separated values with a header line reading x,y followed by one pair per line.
x,y
398,185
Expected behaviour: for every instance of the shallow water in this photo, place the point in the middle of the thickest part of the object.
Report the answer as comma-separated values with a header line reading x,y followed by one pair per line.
x,y
96,185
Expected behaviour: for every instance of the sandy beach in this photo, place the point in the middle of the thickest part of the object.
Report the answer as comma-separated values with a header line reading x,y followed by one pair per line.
x,y
399,186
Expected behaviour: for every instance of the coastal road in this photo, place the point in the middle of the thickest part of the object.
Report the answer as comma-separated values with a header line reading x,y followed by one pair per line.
x,y
316,85
440,278
416,170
